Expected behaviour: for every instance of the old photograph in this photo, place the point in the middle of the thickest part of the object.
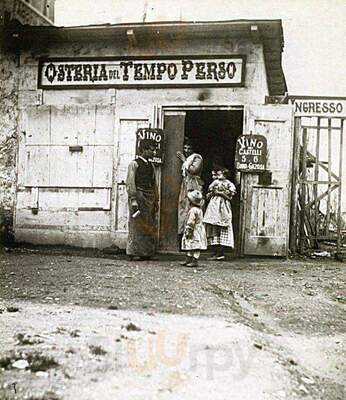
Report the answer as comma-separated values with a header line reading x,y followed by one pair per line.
x,y
172,199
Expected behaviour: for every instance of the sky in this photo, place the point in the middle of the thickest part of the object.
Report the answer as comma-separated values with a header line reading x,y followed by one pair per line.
x,y
314,55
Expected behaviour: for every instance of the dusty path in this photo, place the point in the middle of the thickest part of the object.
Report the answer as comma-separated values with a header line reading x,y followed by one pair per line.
x,y
241,330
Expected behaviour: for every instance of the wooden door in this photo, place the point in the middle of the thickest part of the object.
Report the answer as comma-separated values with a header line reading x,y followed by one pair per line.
x,y
266,207
65,168
174,125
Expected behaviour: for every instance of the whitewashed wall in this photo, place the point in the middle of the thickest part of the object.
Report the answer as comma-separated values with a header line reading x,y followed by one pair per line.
x,y
59,200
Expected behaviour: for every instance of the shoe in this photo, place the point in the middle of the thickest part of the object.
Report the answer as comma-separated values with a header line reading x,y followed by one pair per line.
x,y
212,258
220,258
187,261
193,263
139,258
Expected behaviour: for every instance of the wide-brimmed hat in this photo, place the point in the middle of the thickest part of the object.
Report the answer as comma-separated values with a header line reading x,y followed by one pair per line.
x,y
195,196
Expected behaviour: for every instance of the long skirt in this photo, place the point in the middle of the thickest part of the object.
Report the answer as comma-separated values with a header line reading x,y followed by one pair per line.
x,y
220,235
142,239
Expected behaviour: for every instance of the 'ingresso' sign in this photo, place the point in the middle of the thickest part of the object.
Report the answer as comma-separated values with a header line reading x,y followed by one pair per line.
x,y
137,72
251,153
323,107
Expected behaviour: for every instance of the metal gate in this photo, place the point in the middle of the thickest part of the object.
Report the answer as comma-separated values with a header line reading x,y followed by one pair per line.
x,y
319,194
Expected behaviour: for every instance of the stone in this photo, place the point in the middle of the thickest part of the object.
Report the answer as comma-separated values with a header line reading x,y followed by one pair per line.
x,y
20,364
42,374
307,380
12,309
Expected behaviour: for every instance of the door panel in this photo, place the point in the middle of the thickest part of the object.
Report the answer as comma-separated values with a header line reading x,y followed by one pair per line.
x,y
174,126
36,125
52,178
266,208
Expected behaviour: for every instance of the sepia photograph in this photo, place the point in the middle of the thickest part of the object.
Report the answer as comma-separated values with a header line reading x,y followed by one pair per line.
x,y
172,200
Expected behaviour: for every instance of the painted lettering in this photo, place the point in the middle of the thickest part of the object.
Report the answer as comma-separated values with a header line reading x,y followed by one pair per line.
x,y
222,70
87,70
138,76
69,68
149,71
187,66
125,67
231,70
200,74
61,73
78,73
211,71
172,71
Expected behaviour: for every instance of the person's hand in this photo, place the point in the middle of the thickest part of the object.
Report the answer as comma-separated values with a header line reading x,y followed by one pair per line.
x,y
134,206
181,156
188,233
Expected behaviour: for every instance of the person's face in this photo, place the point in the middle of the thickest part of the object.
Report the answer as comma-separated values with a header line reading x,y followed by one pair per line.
x,y
187,149
149,152
213,175
220,175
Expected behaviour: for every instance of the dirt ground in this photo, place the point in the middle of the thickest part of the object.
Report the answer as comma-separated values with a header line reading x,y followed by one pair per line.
x,y
105,328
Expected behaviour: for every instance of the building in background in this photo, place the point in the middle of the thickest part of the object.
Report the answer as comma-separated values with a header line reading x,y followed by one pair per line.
x,y
80,94
84,93
13,13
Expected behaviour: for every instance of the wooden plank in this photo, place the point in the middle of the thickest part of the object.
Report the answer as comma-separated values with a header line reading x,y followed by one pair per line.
x,y
64,220
320,127
311,182
85,124
323,195
64,199
64,125
104,124
102,166
94,199
58,199
339,225
84,165
37,166
294,195
174,126
36,125
63,167
303,187
316,174
329,174
320,164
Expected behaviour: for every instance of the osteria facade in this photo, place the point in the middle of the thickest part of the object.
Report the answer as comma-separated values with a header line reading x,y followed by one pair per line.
x,y
85,92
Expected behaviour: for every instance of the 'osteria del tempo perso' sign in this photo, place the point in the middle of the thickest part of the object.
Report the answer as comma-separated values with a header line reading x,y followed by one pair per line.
x,y
142,72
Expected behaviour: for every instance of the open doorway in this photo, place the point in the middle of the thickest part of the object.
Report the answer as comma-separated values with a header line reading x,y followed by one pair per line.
x,y
213,135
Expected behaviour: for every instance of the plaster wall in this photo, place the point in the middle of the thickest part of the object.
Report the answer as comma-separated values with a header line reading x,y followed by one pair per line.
x,y
8,129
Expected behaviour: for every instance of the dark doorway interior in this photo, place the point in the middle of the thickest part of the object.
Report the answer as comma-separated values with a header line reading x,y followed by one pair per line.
x,y
214,135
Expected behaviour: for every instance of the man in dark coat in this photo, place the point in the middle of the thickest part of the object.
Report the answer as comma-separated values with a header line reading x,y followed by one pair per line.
x,y
143,204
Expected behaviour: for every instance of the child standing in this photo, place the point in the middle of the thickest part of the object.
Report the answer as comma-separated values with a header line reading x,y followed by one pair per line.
x,y
218,215
194,238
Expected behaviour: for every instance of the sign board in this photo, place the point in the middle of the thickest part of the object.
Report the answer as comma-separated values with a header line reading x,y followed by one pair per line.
x,y
157,137
319,107
251,153
141,72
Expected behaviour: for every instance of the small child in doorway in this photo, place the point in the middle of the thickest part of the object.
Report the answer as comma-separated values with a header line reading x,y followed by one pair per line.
x,y
218,215
194,238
